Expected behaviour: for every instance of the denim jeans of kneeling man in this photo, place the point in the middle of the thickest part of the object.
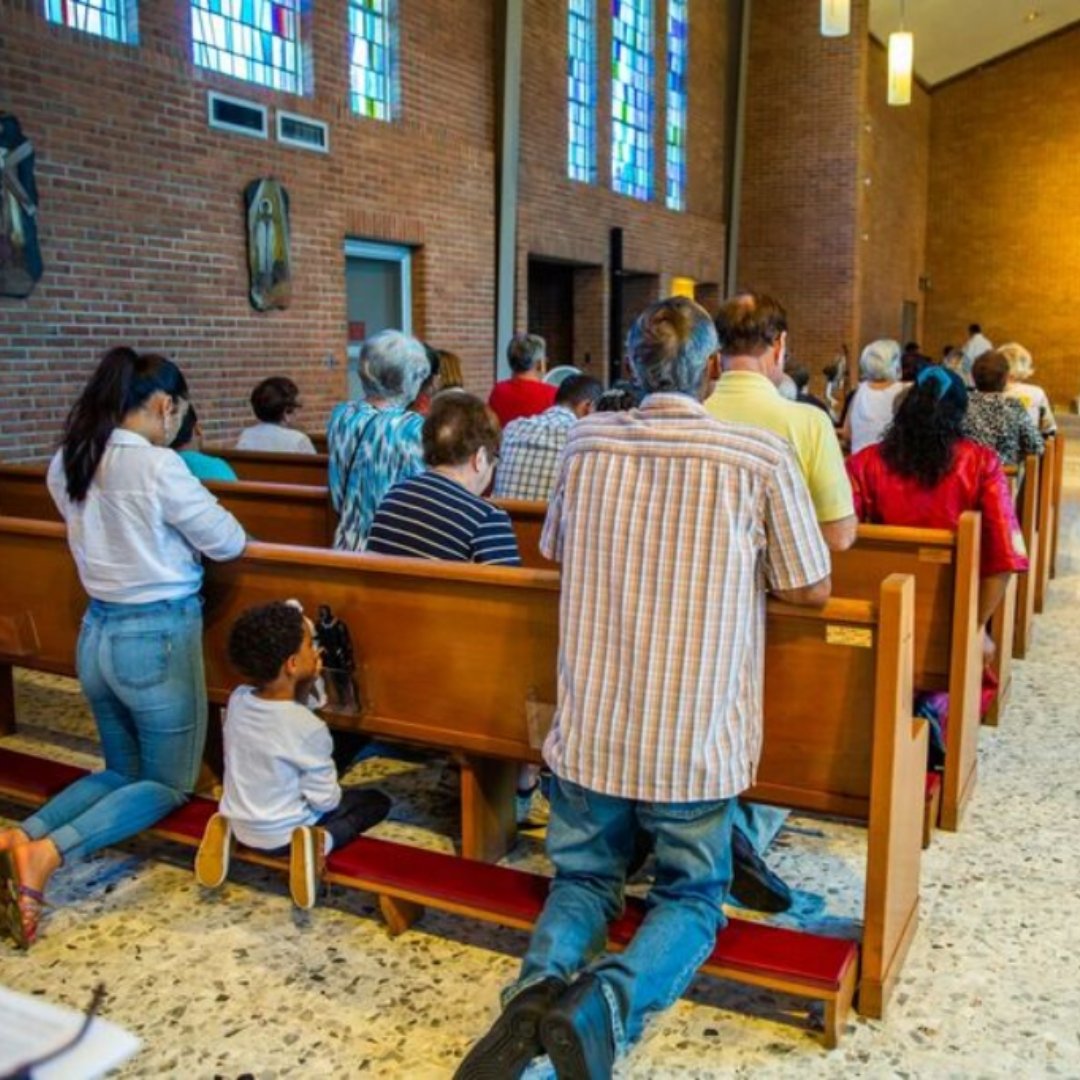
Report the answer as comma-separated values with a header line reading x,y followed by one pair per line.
x,y
590,841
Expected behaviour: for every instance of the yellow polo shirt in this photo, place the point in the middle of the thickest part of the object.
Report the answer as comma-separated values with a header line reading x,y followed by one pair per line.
x,y
745,397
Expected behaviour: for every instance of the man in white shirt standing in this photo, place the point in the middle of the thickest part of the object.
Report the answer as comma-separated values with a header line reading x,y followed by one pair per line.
x,y
976,344
656,514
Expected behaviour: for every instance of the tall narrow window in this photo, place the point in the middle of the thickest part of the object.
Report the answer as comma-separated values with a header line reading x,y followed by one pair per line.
x,y
632,97
256,40
371,58
678,50
581,90
113,19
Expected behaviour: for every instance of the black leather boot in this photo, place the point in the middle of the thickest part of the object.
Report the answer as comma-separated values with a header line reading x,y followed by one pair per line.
x,y
753,884
514,1039
577,1033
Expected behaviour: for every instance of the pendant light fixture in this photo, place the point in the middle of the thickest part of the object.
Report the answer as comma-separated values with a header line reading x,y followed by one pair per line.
x,y
901,63
835,18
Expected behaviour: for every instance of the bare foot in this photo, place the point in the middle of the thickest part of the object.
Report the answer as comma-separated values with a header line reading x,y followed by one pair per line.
x,y
10,838
36,862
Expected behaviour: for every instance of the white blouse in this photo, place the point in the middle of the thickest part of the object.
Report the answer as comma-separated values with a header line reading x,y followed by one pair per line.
x,y
138,534
275,439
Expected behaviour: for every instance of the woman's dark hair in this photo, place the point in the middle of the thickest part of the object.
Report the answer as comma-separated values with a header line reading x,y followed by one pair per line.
x,y
123,382
991,372
263,638
929,420
456,427
274,398
187,430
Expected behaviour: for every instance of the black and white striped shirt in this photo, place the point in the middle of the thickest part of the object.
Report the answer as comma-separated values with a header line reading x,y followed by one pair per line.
x,y
433,517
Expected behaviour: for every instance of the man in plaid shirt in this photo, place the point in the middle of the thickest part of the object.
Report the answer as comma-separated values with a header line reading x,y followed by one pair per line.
x,y
531,445
670,525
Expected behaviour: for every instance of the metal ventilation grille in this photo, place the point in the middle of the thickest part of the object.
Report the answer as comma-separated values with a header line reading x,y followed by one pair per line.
x,y
234,114
302,131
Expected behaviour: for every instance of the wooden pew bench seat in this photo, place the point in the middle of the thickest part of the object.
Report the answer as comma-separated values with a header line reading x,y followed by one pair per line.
x,y
406,879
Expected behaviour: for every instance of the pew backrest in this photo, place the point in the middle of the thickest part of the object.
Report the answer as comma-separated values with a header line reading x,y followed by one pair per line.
x,y
274,513
310,470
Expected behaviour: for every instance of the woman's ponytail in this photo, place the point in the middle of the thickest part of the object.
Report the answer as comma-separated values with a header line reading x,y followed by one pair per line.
x,y
124,381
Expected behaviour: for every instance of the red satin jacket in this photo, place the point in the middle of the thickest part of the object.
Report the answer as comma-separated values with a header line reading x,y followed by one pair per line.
x,y
976,481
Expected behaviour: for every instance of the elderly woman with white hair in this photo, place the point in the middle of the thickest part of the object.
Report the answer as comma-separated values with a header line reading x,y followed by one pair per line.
x,y
875,399
374,443
1032,397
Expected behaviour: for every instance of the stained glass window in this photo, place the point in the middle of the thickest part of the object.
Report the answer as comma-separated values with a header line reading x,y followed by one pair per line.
x,y
632,97
678,46
114,19
581,90
371,58
256,40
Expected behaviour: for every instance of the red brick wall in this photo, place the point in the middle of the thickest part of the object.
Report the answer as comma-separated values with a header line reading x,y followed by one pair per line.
x,y
563,219
1004,227
798,236
892,235
141,214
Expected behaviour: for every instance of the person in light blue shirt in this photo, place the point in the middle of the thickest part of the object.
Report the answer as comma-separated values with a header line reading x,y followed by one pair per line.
x,y
375,443
188,444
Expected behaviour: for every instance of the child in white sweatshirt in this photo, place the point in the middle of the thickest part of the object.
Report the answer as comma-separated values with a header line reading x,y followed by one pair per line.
x,y
281,791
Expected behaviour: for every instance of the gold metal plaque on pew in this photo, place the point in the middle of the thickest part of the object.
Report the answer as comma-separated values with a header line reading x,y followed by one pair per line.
x,y
935,554
861,637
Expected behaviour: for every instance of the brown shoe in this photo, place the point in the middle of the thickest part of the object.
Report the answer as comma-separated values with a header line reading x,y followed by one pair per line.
x,y
212,860
307,864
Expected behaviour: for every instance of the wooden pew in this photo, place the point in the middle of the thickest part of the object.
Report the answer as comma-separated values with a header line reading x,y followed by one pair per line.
x,y
1025,585
1047,525
309,470
275,513
288,514
462,658
1059,476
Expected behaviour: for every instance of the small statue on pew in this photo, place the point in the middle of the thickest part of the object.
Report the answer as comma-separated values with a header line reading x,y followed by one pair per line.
x,y
339,664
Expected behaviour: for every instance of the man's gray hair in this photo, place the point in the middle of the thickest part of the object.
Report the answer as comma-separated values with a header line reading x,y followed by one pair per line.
x,y
525,351
392,366
670,344
1021,366
880,361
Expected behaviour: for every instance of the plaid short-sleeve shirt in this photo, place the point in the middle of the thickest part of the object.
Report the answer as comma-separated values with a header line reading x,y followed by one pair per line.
x,y
669,525
529,454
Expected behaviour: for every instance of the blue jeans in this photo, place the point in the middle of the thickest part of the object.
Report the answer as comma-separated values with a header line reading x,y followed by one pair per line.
x,y
141,669
590,840
759,822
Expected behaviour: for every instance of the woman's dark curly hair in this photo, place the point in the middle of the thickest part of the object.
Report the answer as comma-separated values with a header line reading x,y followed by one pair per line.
x,y
928,422
263,638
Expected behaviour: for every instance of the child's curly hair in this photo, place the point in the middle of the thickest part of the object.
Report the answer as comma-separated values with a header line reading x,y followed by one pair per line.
x,y
263,638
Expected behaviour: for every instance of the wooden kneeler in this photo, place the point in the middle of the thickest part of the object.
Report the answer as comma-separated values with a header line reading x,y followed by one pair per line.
x,y
406,879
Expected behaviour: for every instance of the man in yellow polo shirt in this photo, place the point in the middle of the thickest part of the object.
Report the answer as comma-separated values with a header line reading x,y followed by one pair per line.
x,y
753,341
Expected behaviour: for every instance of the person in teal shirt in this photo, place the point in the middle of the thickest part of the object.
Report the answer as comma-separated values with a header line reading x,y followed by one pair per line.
x,y
188,444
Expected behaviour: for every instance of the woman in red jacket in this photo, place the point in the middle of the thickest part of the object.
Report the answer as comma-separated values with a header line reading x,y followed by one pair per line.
x,y
925,474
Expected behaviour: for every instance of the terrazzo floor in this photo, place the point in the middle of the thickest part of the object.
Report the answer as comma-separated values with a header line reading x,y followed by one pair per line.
x,y
239,985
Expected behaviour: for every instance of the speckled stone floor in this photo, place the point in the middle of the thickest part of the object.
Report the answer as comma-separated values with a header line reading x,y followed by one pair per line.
x,y
238,985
